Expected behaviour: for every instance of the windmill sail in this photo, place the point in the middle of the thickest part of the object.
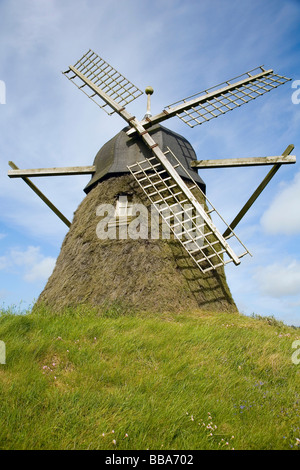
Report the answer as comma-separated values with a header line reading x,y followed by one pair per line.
x,y
220,99
227,96
102,75
193,228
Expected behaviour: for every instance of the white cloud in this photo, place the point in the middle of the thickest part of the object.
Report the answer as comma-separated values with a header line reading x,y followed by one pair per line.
x,y
283,216
31,263
3,262
279,280
40,270
25,258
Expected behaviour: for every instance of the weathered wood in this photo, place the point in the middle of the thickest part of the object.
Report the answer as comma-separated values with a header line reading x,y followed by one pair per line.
x,y
241,162
42,196
72,170
256,193
107,99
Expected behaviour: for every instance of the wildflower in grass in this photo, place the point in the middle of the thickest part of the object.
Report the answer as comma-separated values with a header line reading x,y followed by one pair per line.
x,y
297,442
103,434
114,442
192,418
126,435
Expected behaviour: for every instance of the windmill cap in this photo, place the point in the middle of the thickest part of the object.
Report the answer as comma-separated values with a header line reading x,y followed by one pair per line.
x,y
122,150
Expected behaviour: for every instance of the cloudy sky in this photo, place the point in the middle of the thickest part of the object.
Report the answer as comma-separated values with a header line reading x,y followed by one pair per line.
x,y
179,47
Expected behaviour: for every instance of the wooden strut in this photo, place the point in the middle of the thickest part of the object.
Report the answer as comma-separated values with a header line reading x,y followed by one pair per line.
x,y
42,196
72,170
257,192
241,162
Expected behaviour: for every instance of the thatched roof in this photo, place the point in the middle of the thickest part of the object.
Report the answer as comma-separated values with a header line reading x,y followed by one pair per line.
x,y
149,275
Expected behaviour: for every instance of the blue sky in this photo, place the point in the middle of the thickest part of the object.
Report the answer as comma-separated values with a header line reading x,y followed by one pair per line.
x,y
179,48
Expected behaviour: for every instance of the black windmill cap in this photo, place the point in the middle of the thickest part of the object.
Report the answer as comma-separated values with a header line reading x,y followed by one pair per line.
x,y
123,150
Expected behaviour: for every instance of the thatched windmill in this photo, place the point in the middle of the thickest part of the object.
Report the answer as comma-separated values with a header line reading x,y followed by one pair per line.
x,y
112,252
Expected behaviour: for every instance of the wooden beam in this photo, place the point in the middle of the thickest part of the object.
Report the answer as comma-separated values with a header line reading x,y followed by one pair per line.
x,y
71,170
241,162
42,196
256,193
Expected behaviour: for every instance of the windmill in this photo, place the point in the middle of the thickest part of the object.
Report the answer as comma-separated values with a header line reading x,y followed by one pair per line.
x,y
169,182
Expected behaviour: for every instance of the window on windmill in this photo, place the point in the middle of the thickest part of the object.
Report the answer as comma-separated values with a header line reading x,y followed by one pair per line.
x,y
124,206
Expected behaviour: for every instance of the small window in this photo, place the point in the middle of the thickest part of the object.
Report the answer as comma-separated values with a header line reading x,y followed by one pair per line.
x,y
123,210
124,206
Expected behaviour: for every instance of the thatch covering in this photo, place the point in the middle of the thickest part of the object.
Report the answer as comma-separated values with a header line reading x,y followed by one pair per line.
x,y
143,274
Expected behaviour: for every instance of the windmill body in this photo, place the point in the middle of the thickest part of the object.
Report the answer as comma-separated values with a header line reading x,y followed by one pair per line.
x,y
146,165
152,273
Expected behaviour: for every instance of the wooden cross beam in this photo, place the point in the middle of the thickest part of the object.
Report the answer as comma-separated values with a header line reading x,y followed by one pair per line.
x,y
241,162
257,192
41,195
71,170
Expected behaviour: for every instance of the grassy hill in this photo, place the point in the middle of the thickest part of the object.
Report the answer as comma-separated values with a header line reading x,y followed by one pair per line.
x,y
123,380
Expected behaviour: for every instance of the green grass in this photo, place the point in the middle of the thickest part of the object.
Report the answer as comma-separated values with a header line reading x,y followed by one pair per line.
x,y
130,381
